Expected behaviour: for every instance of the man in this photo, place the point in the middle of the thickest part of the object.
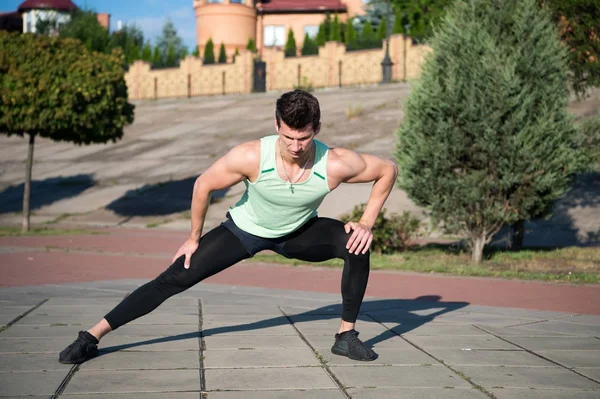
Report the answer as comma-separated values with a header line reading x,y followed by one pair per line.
x,y
286,176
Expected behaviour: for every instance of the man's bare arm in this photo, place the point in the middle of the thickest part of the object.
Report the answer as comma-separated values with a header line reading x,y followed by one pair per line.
x,y
227,171
350,167
239,163
363,168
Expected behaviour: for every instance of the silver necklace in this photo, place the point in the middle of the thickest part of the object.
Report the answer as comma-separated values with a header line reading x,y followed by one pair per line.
x,y
298,176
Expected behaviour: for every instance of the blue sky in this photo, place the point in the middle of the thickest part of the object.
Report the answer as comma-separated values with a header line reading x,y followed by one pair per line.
x,y
148,15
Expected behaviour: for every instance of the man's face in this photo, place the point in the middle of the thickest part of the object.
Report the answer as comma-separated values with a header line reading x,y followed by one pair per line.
x,y
296,142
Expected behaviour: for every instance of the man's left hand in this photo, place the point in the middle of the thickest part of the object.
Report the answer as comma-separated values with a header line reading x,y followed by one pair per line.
x,y
361,238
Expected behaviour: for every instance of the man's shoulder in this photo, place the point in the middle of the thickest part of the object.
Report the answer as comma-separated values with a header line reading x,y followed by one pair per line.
x,y
340,162
246,152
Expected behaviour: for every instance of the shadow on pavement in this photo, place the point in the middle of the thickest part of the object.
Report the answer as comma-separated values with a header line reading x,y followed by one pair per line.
x,y
44,192
159,199
399,315
574,221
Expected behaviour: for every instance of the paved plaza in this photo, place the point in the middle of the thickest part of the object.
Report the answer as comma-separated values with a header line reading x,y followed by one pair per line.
x,y
257,330
225,342
265,331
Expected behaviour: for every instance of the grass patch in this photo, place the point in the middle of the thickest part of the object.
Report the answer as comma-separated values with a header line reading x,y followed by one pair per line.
x,y
43,231
354,111
573,265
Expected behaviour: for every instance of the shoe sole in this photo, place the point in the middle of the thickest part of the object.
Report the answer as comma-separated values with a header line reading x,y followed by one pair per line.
x,y
80,360
339,352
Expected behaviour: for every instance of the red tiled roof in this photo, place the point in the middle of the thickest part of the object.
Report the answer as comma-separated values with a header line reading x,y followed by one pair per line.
x,y
304,5
64,5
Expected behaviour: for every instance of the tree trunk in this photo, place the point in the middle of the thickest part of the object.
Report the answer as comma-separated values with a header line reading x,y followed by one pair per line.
x,y
518,235
477,244
27,189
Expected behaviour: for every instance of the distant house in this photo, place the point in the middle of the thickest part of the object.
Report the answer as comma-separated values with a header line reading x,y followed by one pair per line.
x,y
30,12
267,22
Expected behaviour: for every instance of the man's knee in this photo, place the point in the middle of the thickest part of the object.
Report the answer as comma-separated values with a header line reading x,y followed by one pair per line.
x,y
177,275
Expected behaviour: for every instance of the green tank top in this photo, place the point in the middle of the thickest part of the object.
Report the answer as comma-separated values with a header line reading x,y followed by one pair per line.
x,y
269,208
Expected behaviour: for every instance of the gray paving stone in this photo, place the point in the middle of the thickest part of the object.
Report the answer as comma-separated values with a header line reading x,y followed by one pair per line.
x,y
483,319
121,381
489,357
130,395
574,358
584,318
91,319
184,342
33,345
255,342
398,376
285,394
514,312
82,300
248,326
562,343
8,318
135,330
309,326
525,393
30,383
268,378
566,328
31,362
524,332
385,340
592,372
157,330
460,342
235,310
57,310
387,356
441,329
260,358
25,397
416,393
14,309
526,377
173,360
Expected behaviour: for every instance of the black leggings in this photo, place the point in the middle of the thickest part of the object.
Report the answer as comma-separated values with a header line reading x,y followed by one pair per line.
x,y
318,240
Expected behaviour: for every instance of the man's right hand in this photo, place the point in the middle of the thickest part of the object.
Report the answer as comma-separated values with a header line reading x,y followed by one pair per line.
x,y
187,249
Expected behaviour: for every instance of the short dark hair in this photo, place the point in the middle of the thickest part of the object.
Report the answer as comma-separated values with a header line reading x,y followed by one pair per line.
x,y
297,109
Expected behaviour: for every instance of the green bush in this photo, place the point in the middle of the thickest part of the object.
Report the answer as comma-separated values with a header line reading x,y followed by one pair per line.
x,y
390,235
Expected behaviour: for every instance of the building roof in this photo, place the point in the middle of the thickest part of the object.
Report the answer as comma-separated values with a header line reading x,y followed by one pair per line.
x,y
302,6
63,5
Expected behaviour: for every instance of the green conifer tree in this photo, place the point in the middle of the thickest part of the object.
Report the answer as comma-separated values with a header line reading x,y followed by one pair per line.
x,y
335,34
171,59
399,23
351,35
157,61
147,52
486,138
327,25
309,47
222,55
196,52
382,30
209,52
251,46
290,45
321,38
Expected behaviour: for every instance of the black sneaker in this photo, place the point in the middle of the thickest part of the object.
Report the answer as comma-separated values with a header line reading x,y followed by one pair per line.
x,y
348,344
82,349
